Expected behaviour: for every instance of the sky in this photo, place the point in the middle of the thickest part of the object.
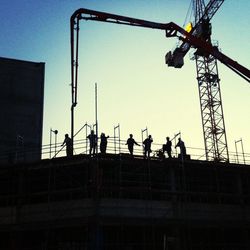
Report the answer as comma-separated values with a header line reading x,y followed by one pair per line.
x,y
136,89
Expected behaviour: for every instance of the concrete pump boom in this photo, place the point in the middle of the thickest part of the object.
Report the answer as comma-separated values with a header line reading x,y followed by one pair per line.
x,y
171,29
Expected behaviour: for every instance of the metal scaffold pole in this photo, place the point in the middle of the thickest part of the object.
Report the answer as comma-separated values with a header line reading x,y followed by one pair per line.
x,y
96,117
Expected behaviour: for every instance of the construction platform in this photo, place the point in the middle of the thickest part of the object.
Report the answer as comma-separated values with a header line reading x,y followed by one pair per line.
x,y
123,202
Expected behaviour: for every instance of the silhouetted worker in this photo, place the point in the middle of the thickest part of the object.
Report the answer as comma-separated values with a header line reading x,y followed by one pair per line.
x,y
103,144
182,147
92,142
147,146
168,147
131,142
69,145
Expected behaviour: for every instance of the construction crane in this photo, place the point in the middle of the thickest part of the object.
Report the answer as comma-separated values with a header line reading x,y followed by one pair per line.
x,y
214,131
204,47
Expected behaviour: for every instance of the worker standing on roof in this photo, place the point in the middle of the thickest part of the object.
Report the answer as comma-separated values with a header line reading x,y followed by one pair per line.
x,y
92,142
168,147
103,144
69,145
182,147
131,142
147,146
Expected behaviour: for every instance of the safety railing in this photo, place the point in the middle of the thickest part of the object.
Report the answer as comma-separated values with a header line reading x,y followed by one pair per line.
x,y
115,145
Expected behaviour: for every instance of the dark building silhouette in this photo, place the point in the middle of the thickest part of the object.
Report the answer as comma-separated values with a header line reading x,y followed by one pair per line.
x,y
119,202
21,110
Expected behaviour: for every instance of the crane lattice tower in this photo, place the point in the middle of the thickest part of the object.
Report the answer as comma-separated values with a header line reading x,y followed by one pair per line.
x,y
213,124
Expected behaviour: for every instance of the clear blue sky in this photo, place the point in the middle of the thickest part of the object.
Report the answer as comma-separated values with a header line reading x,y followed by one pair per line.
x,y
135,87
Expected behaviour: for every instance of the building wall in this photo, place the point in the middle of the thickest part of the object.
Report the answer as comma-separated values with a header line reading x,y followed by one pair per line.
x,y
112,202
21,110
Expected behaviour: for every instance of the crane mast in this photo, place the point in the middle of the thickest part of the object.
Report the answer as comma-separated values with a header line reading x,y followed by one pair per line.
x,y
214,131
213,124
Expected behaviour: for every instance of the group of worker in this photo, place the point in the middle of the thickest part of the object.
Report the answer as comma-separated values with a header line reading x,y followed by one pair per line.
x,y
92,143
165,147
92,137
147,145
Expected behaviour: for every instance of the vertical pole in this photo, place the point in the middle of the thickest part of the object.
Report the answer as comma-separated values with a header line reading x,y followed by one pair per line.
x,y
50,138
119,138
55,143
142,132
96,121
243,154
72,126
142,141
175,148
235,142
114,140
175,142
72,45
56,132
74,71
86,138
115,128
86,132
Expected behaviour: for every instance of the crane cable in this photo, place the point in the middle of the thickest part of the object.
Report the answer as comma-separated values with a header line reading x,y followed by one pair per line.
x,y
187,18
188,15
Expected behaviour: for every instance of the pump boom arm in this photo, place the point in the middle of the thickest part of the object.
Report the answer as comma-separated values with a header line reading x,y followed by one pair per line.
x,y
171,29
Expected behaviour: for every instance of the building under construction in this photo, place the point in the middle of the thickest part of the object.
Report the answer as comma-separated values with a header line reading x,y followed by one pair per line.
x,y
119,202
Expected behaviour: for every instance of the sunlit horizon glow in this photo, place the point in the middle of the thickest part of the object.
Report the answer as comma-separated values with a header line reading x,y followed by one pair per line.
x,y
135,87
